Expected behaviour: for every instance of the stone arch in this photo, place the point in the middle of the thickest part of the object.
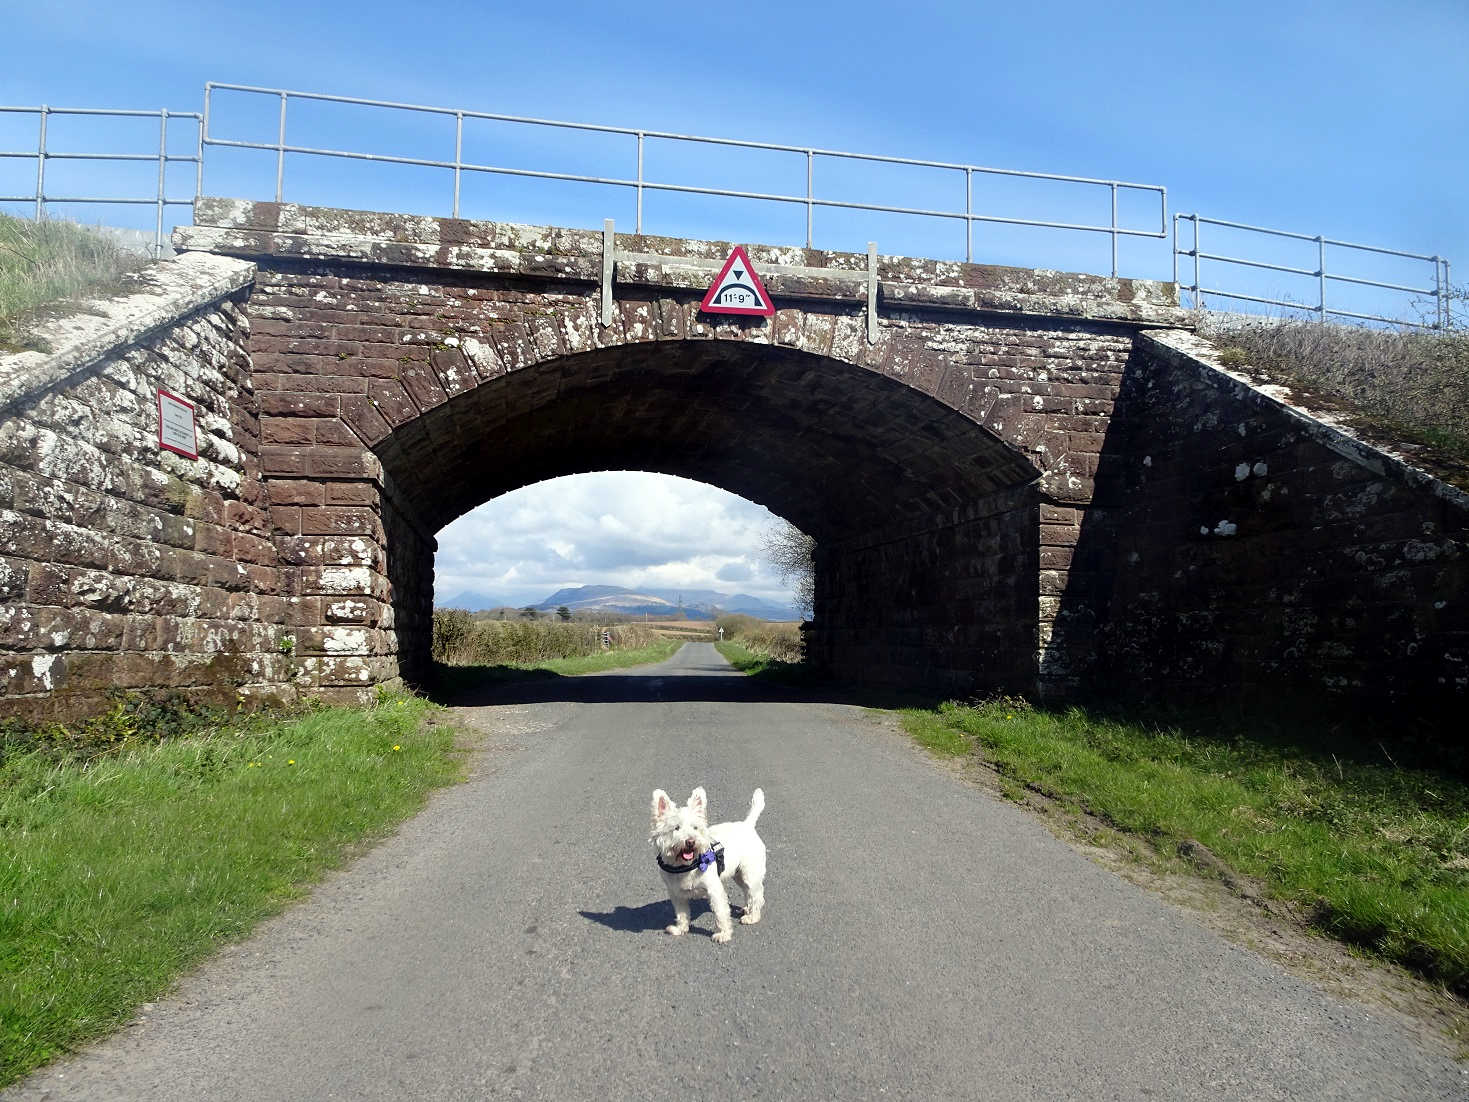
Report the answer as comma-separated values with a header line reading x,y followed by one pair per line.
x,y
892,481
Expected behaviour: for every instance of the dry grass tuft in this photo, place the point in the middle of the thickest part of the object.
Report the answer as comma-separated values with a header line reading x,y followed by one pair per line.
x,y
1409,387
44,261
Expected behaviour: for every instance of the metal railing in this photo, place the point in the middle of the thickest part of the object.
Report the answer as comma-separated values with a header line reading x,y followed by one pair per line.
x,y
640,184
1439,292
43,154
636,180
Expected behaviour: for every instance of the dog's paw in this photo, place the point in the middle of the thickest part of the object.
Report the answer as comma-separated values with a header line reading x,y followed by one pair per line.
x,y
749,919
676,930
722,936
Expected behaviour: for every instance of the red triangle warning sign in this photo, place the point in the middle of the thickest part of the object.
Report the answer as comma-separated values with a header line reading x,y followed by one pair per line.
x,y
737,289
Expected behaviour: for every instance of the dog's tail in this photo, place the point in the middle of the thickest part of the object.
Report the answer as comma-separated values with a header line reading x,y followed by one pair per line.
x,y
757,805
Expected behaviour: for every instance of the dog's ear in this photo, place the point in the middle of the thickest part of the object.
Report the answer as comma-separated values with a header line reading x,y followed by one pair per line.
x,y
662,804
699,803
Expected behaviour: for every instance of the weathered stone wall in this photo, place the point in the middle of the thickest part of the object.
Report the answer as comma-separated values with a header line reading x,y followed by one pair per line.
x,y
123,565
1239,546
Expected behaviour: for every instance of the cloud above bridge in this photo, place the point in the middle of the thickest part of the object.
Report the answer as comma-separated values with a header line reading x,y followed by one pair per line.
x,y
626,528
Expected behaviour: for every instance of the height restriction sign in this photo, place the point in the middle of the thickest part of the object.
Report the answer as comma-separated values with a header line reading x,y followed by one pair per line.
x,y
737,289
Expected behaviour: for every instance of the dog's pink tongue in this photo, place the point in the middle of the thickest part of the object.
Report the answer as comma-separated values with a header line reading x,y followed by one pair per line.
x,y
688,854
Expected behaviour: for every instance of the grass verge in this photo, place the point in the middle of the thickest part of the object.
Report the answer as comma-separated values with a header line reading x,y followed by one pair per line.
x,y
759,664
42,261
1360,848
123,870
449,679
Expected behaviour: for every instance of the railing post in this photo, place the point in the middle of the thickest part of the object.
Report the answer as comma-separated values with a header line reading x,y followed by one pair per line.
x,y
1175,248
203,133
639,226
1448,296
1321,272
458,155
1114,230
280,155
969,216
162,181
41,166
1198,293
810,206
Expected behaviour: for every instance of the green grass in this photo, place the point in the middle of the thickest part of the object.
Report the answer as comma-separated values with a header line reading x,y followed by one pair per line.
x,y
449,679
759,664
44,261
122,870
1368,851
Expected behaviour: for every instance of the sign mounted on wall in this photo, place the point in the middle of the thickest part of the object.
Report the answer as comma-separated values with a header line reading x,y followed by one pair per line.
x,y
176,429
737,289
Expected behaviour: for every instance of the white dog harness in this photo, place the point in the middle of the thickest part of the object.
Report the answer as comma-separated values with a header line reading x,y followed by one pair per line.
x,y
712,856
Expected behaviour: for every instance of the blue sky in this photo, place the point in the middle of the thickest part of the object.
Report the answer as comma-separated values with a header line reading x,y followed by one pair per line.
x,y
1346,119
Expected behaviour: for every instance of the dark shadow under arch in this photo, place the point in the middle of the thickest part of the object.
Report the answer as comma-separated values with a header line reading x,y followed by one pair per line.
x,y
926,521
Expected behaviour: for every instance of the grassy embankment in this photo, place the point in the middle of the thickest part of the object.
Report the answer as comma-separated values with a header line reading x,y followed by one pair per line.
x,y
129,857
44,261
760,648
1404,387
1334,827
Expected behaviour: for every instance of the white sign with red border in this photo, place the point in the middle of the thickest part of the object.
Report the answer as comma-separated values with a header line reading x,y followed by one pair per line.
x,y
176,429
737,289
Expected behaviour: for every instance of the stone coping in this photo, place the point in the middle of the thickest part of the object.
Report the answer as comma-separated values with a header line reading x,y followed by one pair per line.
x,y
158,296
1188,350
244,228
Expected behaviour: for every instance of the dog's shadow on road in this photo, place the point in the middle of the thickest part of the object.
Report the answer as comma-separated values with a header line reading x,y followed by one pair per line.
x,y
648,918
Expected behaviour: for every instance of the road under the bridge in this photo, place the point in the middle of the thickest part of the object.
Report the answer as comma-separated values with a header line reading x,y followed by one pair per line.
x,y
921,940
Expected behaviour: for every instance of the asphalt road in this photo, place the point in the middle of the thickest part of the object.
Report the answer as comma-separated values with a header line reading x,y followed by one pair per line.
x,y
921,940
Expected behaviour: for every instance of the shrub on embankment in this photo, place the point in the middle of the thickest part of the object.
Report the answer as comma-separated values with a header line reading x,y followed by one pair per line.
x,y
778,641
462,640
1410,386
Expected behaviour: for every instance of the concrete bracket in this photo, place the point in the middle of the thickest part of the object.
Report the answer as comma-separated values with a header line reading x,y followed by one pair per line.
x,y
609,252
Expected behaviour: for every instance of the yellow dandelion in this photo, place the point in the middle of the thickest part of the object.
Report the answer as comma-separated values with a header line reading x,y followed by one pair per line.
x,y
291,762
397,747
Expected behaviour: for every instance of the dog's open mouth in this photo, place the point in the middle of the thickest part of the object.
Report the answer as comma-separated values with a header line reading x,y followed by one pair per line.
x,y
689,853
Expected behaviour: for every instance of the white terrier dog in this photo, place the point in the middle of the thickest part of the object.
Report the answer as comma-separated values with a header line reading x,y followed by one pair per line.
x,y
697,859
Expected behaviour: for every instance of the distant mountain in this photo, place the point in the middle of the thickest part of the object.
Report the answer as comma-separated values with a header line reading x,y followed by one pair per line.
x,y
697,604
470,600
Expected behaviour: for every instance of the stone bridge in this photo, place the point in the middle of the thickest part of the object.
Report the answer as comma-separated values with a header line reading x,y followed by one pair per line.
x,y
1018,480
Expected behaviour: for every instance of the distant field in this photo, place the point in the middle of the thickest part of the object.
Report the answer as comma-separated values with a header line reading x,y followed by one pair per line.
x,y
685,630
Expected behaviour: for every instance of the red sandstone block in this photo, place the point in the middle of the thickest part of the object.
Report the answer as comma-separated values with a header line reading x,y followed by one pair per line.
x,y
277,461
341,520
353,493
253,549
370,367
294,491
288,430
391,401
328,379
1060,535
365,419
329,462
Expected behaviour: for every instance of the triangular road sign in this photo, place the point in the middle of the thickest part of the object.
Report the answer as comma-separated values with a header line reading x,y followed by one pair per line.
x,y
737,289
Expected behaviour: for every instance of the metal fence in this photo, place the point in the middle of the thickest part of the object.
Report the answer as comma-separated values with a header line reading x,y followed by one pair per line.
x,y
632,177
1439,292
45,153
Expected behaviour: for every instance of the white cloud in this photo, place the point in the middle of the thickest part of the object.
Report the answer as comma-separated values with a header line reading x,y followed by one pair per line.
x,y
625,528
